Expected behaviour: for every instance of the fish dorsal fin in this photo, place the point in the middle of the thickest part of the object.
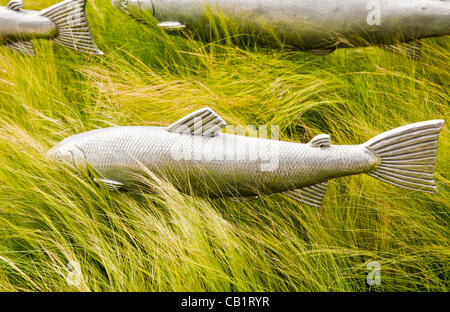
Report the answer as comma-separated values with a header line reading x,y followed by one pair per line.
x,y
15,5
321,140
170,25
311,195
204,122
24,47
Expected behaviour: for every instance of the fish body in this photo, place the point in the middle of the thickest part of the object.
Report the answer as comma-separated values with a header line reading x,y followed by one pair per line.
x,y
215,164
65,23
310,25
116,153
25,25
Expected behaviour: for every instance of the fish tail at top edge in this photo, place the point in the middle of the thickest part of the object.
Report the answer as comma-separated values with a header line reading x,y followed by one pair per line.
x,y
72,25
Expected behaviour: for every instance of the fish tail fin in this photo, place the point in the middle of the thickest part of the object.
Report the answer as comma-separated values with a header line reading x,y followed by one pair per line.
x,y
408,155
24,47
72,26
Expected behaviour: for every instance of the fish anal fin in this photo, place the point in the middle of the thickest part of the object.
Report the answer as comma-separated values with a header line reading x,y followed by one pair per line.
x,y
110,184
311,195
203,122
24,47
321,140
15,5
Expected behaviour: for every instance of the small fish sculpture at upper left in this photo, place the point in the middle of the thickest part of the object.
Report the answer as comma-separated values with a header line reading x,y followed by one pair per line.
x,y
65,23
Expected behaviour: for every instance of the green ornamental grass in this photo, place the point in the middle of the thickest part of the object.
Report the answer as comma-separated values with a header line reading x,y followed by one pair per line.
x,y
53,218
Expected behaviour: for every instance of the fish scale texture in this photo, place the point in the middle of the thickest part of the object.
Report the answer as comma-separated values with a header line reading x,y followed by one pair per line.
x,y
216,166
311,24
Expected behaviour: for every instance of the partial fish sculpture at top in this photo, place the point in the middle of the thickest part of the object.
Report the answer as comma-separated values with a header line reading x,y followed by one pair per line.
x,y
317,26
65,23
194,156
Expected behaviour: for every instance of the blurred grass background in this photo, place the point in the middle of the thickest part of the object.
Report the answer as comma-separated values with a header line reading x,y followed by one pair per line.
x,y
169,241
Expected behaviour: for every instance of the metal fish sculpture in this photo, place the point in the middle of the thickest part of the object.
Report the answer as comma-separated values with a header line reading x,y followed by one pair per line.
x,y
317,26
194,156
65,23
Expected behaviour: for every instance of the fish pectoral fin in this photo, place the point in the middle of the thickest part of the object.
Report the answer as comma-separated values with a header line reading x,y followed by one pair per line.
x,y
413,49
15,5
24,47
311,195
109,184
171,25
203,122
321,140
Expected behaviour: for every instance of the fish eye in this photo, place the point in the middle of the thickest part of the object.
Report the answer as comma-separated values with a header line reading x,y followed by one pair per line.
x,y
64,156
58,156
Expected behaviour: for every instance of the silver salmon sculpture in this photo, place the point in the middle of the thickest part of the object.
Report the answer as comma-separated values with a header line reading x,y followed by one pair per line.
x,y
197,158
65,23
317,26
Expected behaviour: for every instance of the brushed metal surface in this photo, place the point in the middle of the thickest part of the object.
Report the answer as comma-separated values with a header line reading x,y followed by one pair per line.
x,y
233,165
24,25
308,24
118,153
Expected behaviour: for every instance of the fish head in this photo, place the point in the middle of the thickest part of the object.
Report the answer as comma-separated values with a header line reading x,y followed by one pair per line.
x,y
68,152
